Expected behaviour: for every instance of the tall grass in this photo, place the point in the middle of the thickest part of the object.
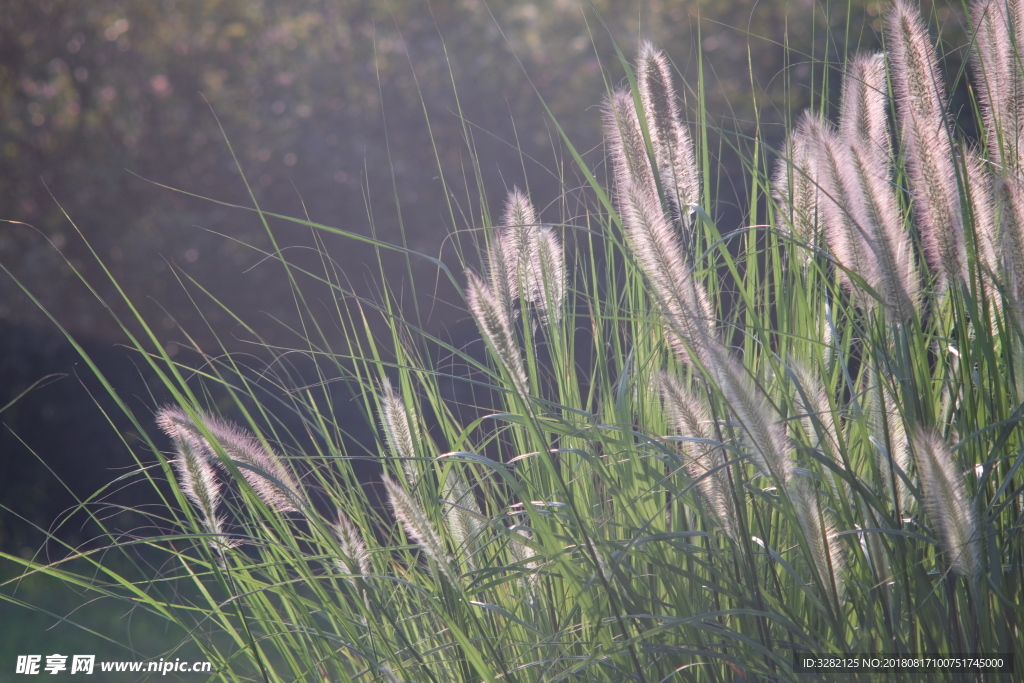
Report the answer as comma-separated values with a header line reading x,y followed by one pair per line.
x,y
689,453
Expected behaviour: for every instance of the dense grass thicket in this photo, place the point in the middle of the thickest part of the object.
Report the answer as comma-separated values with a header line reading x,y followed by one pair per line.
x,y
681,452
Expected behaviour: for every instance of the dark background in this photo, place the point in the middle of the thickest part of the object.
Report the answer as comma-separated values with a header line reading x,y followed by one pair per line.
x,y
326,105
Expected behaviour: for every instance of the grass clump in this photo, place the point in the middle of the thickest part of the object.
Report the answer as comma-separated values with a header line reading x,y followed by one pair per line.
x,y
689,454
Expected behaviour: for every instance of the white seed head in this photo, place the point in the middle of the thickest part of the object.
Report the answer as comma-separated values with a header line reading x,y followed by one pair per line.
x,y
414,520
399,432
947,504
931,162
260,466
689,418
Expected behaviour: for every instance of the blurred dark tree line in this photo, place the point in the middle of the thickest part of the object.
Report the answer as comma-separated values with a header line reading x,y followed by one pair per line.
x,y
97,96
326,103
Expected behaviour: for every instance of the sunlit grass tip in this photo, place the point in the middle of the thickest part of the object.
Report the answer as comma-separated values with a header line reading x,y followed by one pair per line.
x,y
399,431
673,147
931,162
268,476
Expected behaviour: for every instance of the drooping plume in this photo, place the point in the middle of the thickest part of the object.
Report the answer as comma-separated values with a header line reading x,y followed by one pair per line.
x,y
921,103
496,328
461,515
891,442
820,533
196,475
260,466
758,419
673,148
947,504
690,418
819,420
414,520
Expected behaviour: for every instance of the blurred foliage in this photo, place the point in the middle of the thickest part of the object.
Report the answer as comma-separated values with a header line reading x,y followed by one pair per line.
x,y
97,96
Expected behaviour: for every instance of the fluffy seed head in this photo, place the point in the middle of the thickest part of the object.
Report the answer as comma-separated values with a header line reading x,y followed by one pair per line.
x,y
462,514
921,103
683,300
890,436
995,62
399,432
983,220
526,260
196,476
796,189
625,140
826,552
758,419
862,117
690,418
260,466
414,520
496,328
673,148
947,504
1011,244
355,560
843,202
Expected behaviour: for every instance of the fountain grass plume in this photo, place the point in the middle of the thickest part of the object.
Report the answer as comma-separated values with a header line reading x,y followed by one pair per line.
x,y
863,127
515,238
549,264
818,418
827,555
684,304
268,476
945,499
414,520
399,432
878,212
462,515
1010,193
354,560
983,219
931,161
690,419
196,476
796,189
863,110
673,148
998,77
758,419
843,204
526,259
625,140
892,446
496,328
